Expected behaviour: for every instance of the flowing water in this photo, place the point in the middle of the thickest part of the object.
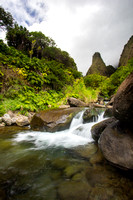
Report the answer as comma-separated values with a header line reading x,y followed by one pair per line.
x,y
63,165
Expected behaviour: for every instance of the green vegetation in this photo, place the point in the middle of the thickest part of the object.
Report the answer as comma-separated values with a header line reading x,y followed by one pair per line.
x,y
108,86
36,75
32,84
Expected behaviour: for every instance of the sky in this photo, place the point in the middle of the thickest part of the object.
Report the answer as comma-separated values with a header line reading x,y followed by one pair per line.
x,y
80,27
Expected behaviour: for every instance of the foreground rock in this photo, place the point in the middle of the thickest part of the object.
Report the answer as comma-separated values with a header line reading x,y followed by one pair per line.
x,y
116,144
123,101
73,102
98,128
115,135
53,120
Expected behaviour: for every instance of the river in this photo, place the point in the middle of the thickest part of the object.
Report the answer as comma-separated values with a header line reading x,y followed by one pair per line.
x,y
63,165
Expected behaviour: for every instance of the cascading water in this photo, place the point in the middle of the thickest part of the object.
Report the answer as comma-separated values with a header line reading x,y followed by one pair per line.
x,y
77,134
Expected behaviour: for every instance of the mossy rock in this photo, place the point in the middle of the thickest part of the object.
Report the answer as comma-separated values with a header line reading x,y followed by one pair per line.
x,y
53,120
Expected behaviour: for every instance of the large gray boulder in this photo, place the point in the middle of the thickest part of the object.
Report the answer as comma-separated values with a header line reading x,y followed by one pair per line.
x,y
116,144
53,120
115,137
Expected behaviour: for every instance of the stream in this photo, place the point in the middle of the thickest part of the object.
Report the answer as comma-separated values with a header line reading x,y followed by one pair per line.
x,y
65,165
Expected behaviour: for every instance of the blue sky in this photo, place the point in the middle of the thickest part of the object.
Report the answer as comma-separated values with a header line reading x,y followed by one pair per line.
x,y
80,27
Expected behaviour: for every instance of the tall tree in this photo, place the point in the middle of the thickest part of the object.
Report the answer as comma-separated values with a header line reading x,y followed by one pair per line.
x,y
6,19
18,37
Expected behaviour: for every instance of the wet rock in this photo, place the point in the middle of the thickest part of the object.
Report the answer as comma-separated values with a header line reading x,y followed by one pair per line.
x,y
86,151
73,102
123,101
72,170
108,112
116,145
78,176
97,158
98,128
74,190
53,120
60,164
90,115
7,119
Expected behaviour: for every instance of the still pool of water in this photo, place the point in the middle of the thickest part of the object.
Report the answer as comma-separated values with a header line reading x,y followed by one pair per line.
x,y
65,165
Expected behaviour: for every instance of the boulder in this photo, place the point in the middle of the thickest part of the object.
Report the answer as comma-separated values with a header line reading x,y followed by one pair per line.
x,y
53,120
98,128
90,115
22,120
123,101
73,102
116,144
108,112
7,119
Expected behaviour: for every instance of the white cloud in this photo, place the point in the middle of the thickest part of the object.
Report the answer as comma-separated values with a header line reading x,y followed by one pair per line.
x,y
80,27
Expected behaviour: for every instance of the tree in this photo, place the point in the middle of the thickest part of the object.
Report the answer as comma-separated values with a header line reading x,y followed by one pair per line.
x,y
18,37
42,42
6,19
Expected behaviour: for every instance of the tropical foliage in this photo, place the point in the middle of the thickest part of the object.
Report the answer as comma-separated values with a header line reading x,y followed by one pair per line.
x,y
36,75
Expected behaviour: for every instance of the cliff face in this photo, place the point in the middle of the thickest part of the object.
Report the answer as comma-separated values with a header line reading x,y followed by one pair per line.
x,y
98,66
127,53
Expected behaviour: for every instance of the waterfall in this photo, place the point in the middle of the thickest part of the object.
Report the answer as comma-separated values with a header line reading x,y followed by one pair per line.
x,y
77,134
